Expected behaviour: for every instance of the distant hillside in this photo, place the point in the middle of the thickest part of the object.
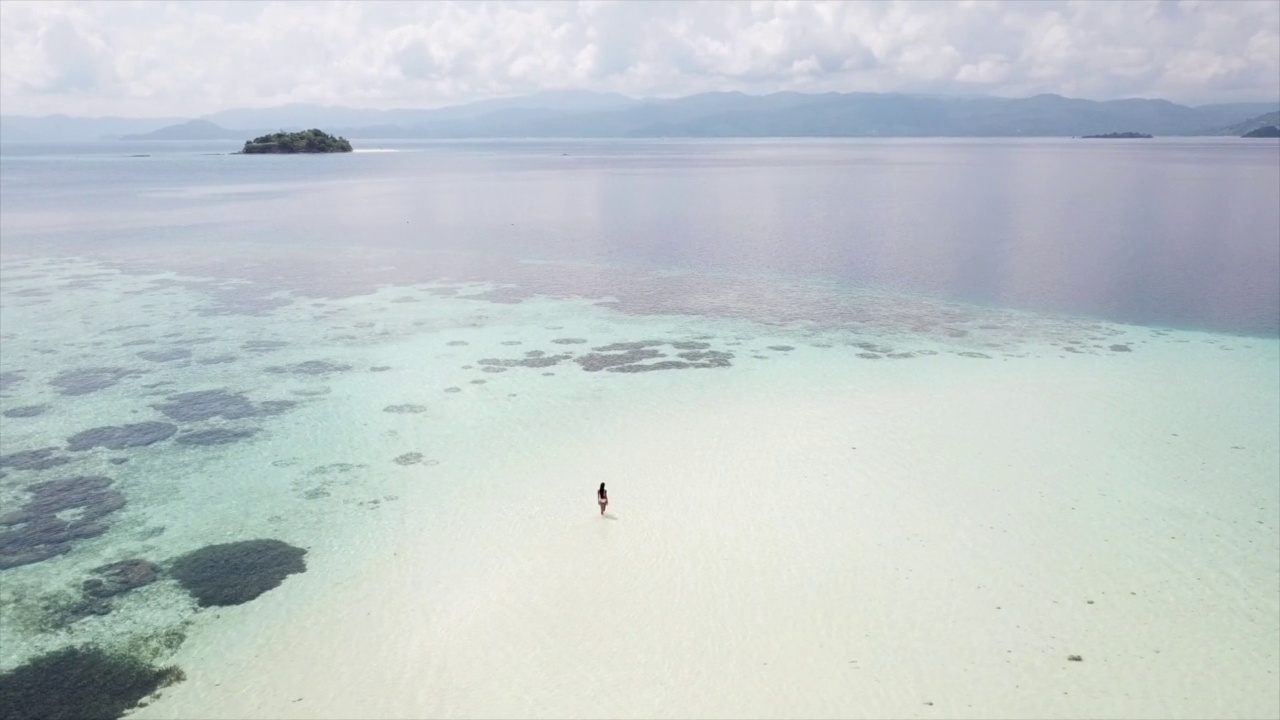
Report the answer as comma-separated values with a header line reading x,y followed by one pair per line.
x,y
827,115
190,130
1248,126
1266,131
579,114
63,128
302,116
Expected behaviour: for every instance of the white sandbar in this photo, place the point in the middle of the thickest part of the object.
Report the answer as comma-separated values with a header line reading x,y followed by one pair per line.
x,y
995,518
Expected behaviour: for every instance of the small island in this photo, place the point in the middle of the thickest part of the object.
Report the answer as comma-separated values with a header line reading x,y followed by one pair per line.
x,y
1266,131
1119,136
306,141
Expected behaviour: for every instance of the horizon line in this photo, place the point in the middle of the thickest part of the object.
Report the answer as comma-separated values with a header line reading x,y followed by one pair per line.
x,y
641,99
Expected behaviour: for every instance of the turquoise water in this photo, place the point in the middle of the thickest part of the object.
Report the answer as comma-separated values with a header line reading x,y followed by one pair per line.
x,y
312,341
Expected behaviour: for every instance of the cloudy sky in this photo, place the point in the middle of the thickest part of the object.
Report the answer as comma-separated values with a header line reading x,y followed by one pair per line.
x,y
191,58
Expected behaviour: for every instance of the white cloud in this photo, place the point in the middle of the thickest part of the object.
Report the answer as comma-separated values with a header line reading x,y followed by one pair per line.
x,y
189,58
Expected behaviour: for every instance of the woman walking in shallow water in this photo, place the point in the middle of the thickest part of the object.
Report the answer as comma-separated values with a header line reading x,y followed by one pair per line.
x,y
602,497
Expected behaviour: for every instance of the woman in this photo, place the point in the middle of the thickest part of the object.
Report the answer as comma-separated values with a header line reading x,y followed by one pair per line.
x,y
602,497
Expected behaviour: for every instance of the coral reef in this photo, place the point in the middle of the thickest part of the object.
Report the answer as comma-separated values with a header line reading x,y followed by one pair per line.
x,y
40,459
119,437
38,531
83,381
26,411
85,683
215,436
208,404
405,408
310,367
235,573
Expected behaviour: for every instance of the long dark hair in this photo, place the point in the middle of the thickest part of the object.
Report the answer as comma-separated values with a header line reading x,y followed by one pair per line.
x,y
601,490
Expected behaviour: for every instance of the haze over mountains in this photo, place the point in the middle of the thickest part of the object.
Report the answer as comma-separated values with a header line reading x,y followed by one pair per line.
x,y
581,114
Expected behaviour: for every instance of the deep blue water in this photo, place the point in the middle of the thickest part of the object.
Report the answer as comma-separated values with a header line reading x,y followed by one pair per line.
x,y
1180,233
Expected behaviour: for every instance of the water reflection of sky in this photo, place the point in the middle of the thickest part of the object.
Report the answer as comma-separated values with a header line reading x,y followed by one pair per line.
x,y
1177,232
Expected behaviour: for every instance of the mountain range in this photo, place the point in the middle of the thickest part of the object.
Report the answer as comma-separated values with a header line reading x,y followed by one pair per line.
x,y
582,114
1254,123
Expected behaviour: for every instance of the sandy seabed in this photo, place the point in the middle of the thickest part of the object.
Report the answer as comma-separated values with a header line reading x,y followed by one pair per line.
x,y
811,538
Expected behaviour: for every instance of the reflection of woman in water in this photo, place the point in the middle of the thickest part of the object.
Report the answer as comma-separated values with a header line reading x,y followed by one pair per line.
x,y
602,497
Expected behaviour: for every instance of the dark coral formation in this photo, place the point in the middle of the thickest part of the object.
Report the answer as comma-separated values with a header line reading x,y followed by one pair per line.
x,y
119,437
873,348
80,684
235,573
971,354
208,404
1120,348
541,360
83,381
215,436
309,367
457,343
45,526
668,365
641,367
263,346
41,459
168,355
120,577
781,348
705,356
333,469
410,458
629,357
570,341
624,346
405,408
9,379
597,361
217,360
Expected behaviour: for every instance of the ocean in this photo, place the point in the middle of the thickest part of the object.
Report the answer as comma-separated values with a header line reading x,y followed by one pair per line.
x,y
848,397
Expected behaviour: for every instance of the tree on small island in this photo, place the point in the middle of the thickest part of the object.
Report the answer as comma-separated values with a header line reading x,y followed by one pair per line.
x,y
306,141
1119,136
1266,131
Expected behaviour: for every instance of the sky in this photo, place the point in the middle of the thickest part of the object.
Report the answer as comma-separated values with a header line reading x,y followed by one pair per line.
x,y
186,59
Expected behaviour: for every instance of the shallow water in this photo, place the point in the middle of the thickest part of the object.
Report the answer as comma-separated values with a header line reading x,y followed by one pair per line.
x,y
365,327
